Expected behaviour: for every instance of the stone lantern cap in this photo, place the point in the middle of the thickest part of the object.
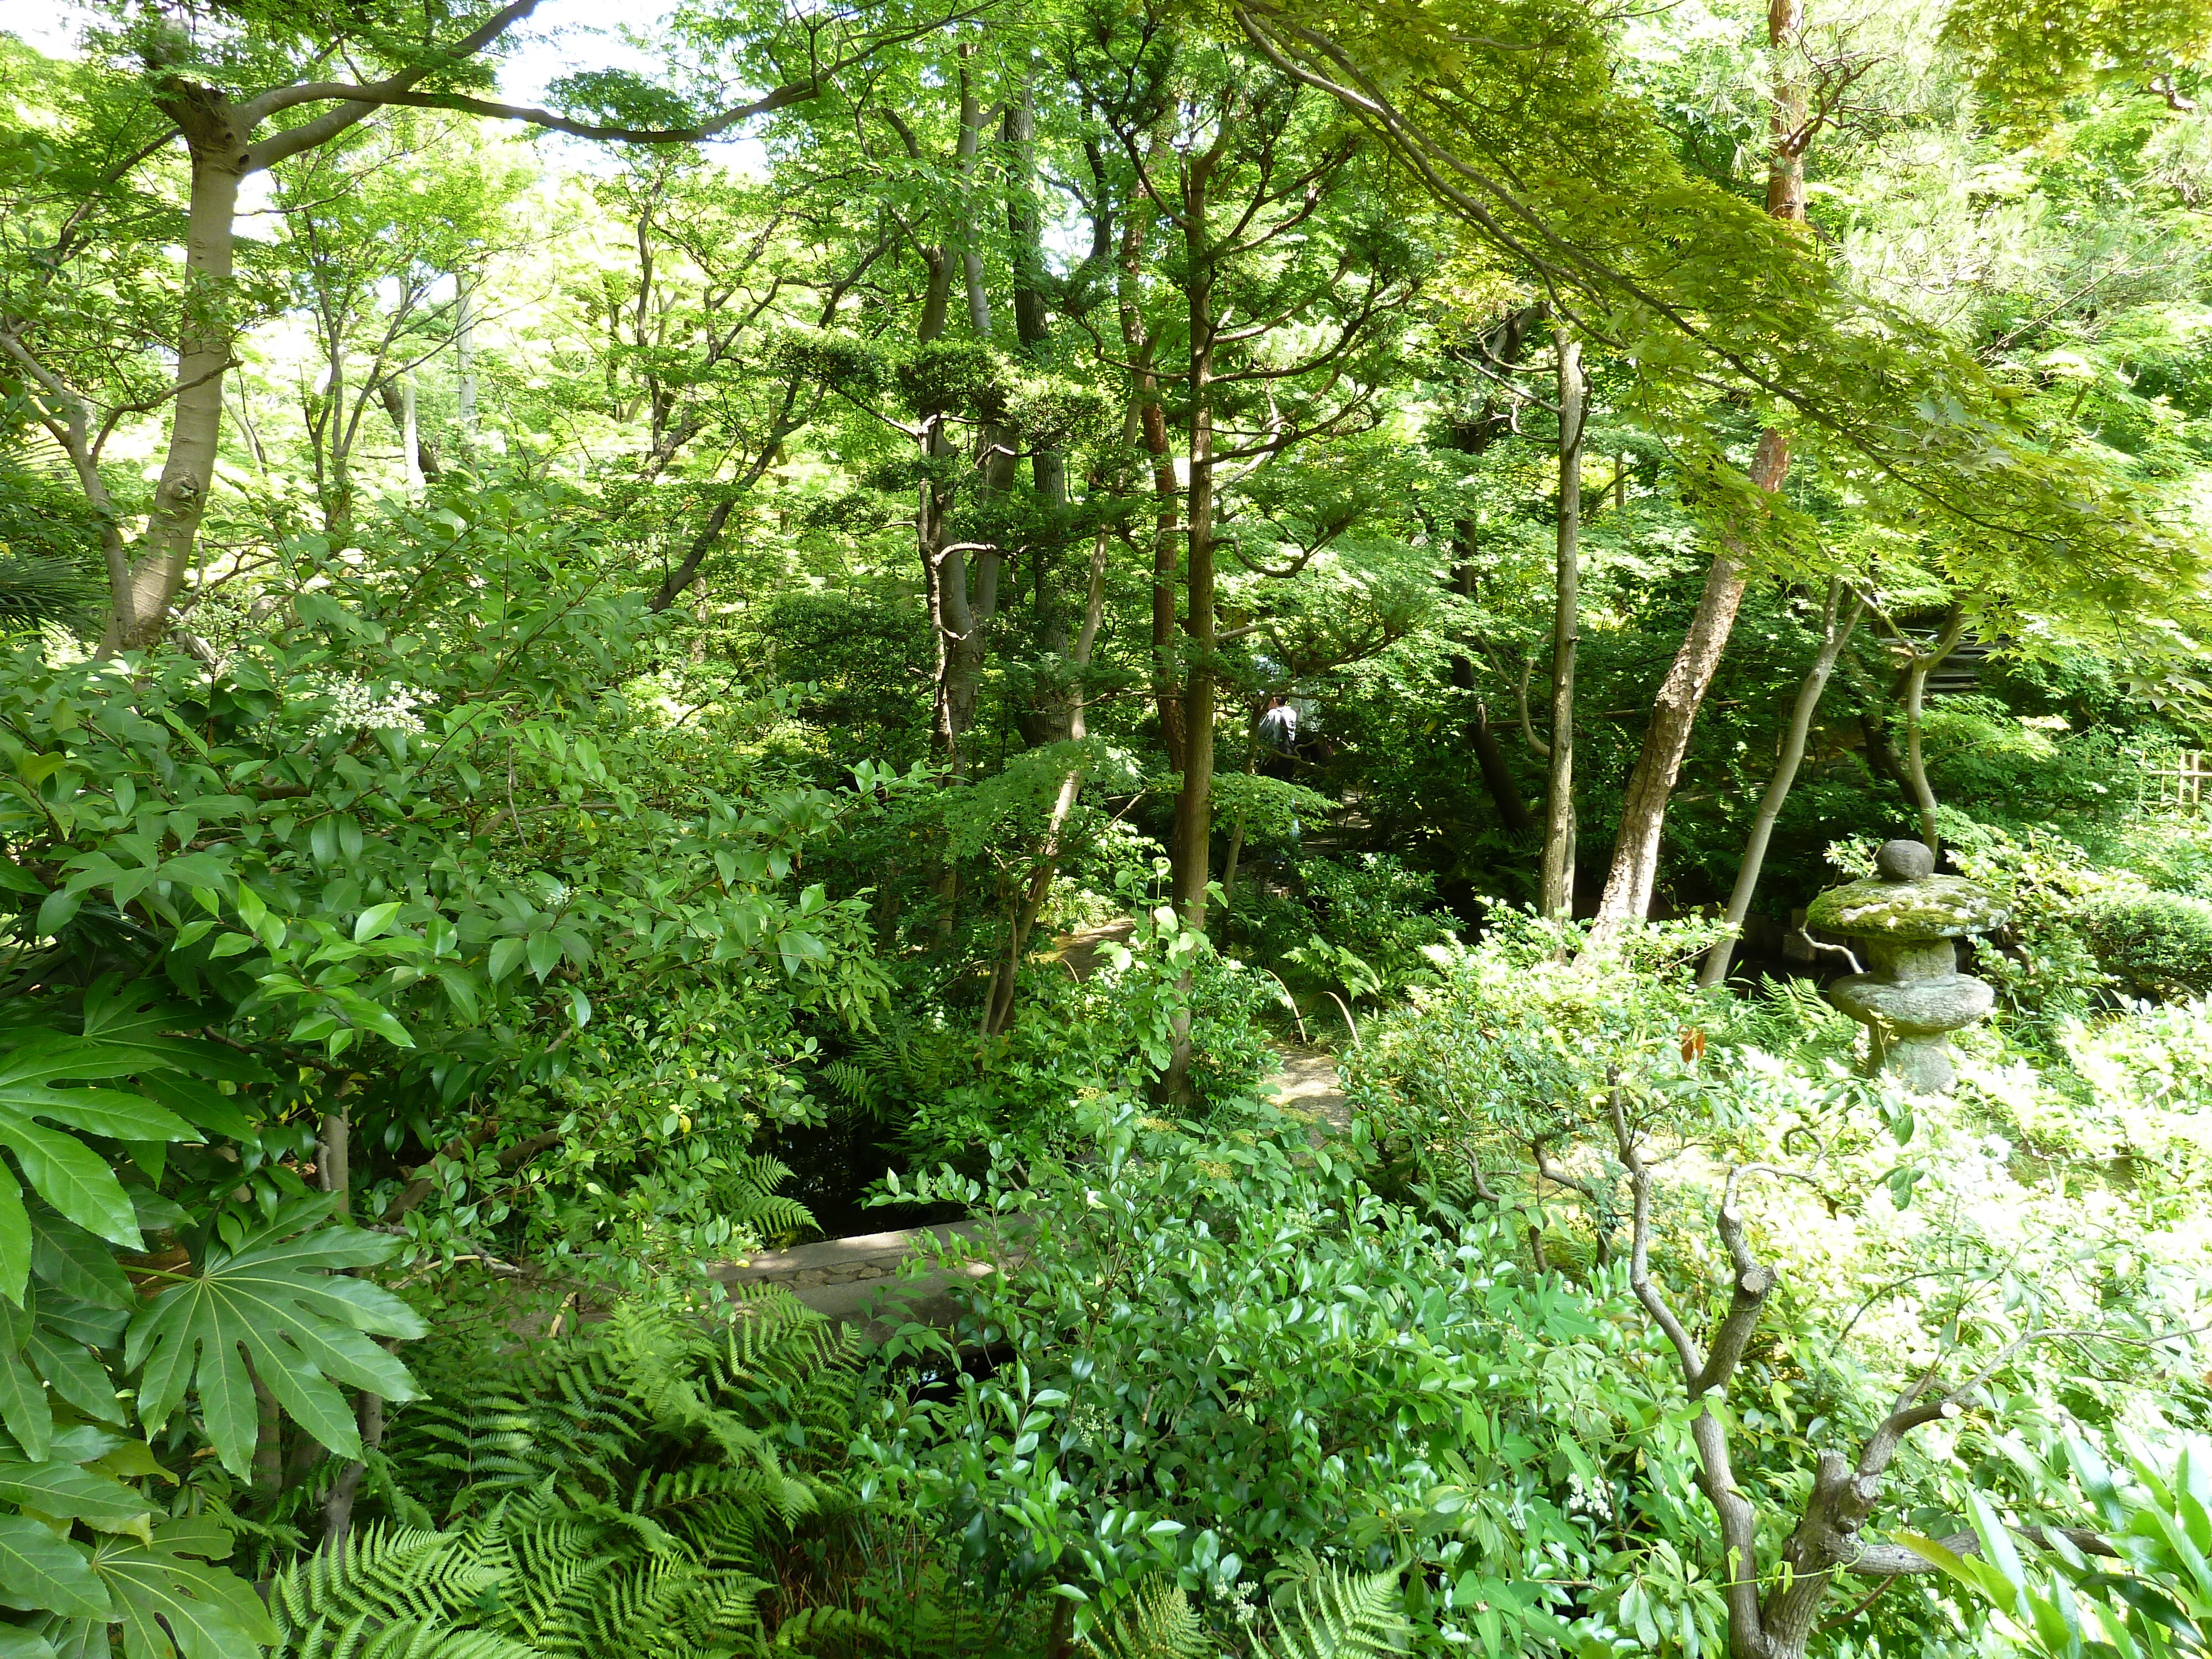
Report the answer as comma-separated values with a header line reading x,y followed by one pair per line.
x,y
1906,903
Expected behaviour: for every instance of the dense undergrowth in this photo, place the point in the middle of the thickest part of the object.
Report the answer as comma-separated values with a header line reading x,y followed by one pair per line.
x,y
890,681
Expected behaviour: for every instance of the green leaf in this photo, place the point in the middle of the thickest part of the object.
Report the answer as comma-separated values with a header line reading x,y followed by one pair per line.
x,y
24,1409
200,1104
504,955
56,914
65,1491
72,1372
15,1239
73,1178
66,1257
161,1593
373,921
278,1297
544,953
40,1572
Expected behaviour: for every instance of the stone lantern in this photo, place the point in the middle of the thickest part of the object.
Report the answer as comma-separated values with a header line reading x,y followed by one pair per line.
x,y
1913,995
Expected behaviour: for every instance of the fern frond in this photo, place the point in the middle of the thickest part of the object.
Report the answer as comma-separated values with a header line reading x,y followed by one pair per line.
x,y
1157,1625
1336,1614
810,1627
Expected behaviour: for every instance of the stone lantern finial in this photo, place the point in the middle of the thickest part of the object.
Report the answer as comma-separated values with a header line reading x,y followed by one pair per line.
x,y
1914,996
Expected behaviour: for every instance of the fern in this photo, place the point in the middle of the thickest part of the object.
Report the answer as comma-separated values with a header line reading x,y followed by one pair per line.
x,y
386,1594
1157,1625
803,1629
1336,1614
613,1496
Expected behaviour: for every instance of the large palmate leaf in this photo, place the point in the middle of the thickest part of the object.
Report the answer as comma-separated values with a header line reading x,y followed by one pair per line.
x,y
60,1487
138,1018
170,1604
41,1572
279,1296
65,1172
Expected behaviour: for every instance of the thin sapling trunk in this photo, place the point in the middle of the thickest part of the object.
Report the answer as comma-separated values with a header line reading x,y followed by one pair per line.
x,y
1836,626
1558,892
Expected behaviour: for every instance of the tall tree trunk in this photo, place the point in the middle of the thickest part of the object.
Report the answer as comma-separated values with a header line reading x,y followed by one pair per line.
x,y
1917,670
1051,708
969,612
1194,817
1502,347
411,441
141,613
1498,773
1836,626
1190,848
1152,431
465,361
999,1003
421,452
1557,895
1635,873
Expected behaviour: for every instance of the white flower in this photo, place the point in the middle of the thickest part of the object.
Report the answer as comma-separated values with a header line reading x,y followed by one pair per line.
x,y
357,705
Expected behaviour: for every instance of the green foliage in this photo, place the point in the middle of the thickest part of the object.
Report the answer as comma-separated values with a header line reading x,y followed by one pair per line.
x,y
2146,1593
1227,1355
2028,60
629,1492
1336,1614
2159,944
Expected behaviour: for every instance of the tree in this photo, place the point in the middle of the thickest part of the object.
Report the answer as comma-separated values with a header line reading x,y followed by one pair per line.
x,y
217,89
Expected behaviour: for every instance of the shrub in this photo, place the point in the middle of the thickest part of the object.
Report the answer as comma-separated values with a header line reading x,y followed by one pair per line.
x,y
2159,945
1226,1360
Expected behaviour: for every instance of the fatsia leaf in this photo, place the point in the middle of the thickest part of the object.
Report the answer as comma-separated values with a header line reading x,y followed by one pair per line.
x,y
60,1488
40,1572
69,1175
161,1594
200,1103
121,1018
66,1258
24,1409
74,1374
79,1638
279,1298
17,1643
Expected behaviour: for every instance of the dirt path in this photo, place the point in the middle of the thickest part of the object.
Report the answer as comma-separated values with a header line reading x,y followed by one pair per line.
x,y
1305,1082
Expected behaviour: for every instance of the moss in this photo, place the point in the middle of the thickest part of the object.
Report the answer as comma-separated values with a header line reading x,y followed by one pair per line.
x,y
1940,907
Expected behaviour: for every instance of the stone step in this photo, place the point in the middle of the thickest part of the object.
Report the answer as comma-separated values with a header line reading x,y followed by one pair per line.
x,y
855,1280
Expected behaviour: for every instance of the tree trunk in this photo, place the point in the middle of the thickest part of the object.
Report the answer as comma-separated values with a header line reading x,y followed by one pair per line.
x,y
141,614
465,362
411,441
1194,817
1502,347
421,453
1498,774
966,614
999,1003
1836,626
1557,895
1152,431
1191,847
1635,872
1915,689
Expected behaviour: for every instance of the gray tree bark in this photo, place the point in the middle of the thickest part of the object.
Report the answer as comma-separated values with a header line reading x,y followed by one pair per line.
x,y
1558,892
1836,626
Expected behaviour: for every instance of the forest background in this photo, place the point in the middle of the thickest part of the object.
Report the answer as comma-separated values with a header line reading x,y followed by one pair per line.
x,y
631,646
